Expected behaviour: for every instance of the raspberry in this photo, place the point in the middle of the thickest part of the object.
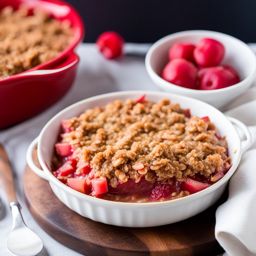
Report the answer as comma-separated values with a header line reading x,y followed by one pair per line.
x,y
233,71
182,51
209,52
110,44
216,78
180,72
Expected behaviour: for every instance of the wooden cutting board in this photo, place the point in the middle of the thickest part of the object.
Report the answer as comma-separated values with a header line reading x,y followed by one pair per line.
x,y
194,236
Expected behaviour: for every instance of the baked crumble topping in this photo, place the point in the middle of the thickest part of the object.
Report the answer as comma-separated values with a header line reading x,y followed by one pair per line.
x,y
155,141
27,40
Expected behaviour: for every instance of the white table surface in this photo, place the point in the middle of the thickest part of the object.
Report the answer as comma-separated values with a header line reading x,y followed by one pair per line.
x,y
95,76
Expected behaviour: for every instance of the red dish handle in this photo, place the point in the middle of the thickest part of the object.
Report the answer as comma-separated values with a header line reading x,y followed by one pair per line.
x,y
68,62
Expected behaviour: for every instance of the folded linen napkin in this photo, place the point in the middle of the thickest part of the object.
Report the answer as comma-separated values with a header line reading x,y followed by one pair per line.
x,y
235,219
235,227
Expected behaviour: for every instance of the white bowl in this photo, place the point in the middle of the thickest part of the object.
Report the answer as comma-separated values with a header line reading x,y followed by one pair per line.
x,y
136,214
237,54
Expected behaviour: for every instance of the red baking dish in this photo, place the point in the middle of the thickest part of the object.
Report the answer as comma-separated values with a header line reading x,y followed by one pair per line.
x,y
26,94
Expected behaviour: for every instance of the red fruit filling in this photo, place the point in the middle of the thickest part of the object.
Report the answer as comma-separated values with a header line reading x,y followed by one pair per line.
x,y
79,184
130,187
194,186
110,44
163,191
206,119
66,169
66,126
99,186
84,169
141,99
63,149
180,72
72,161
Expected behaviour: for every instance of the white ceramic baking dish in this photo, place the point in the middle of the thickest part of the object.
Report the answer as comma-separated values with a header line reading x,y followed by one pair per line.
x,y
139,214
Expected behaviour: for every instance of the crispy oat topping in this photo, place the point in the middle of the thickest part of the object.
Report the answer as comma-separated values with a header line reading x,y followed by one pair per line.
x,y
29,40
158,141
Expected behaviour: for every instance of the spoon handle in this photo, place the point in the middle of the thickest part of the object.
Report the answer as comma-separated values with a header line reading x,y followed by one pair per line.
x,y
6,175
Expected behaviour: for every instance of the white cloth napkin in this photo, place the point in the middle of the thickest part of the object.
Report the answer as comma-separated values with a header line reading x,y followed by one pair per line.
x,y
235,219
235,227
95,76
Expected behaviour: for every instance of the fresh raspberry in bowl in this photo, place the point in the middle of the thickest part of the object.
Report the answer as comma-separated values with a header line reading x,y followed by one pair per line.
x,y
211,49
180,72
209,52
182,51
207,56
216,78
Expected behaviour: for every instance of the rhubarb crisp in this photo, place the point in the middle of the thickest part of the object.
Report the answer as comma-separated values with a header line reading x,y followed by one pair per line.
x,y
28,39
140,151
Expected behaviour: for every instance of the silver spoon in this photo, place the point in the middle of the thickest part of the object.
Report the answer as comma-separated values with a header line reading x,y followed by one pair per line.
x,y
21,241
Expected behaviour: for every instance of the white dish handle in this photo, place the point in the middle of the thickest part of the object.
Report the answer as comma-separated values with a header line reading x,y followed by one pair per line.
x,y
30,160
247,134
